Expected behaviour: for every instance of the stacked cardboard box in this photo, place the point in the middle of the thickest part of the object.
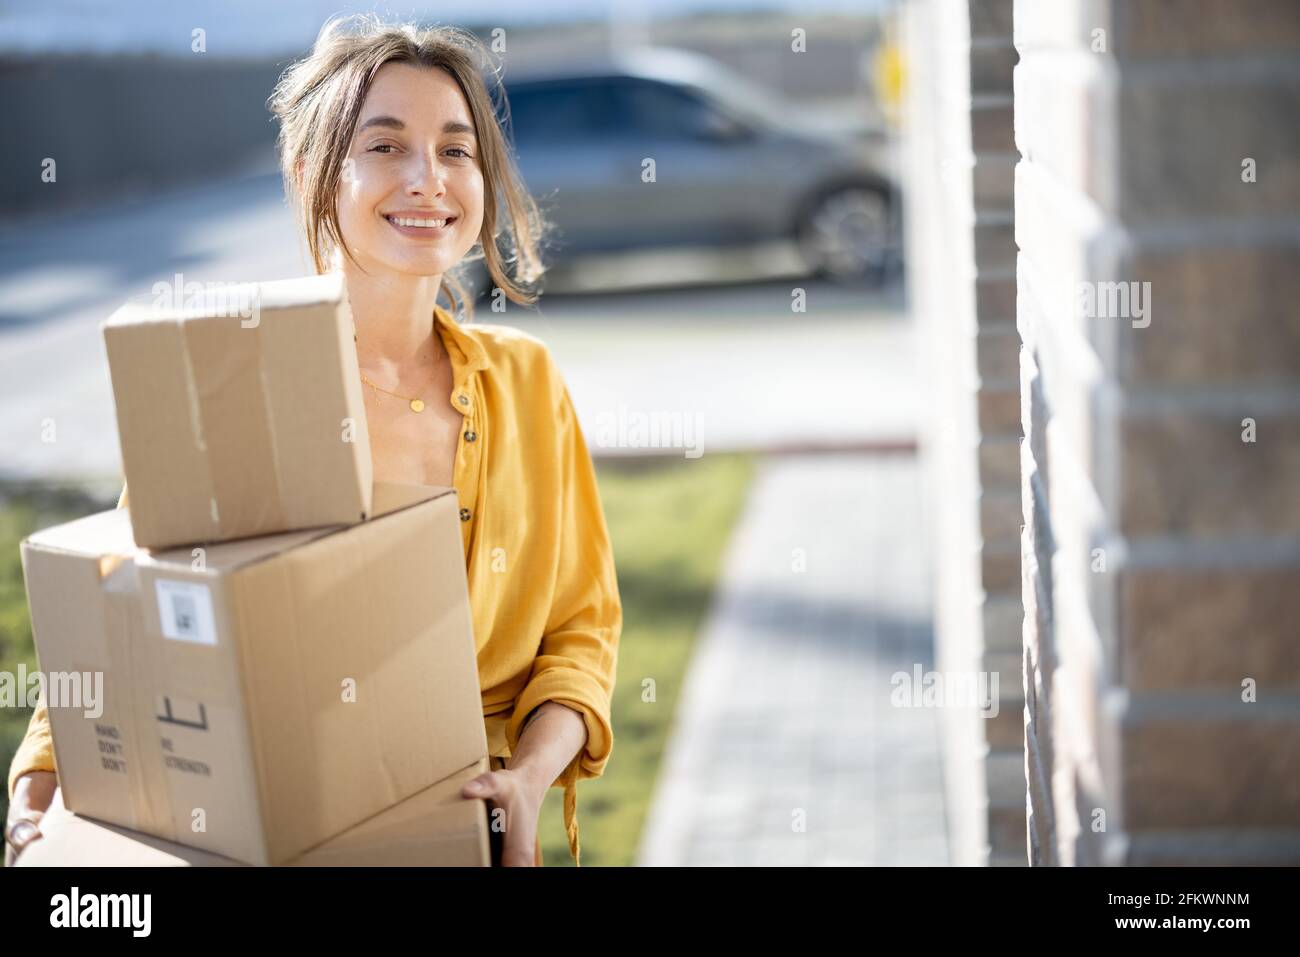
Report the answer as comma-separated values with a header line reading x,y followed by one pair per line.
x,y
239,410
304,693
436,827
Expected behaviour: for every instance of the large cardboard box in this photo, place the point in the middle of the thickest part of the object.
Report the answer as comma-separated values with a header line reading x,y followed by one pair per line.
x,y
258,697
433,828
239,410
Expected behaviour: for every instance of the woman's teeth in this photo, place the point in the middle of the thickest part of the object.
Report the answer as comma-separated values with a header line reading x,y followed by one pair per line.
x,y
426,223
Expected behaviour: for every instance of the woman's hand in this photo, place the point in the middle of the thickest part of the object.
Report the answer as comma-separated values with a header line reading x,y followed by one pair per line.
x,y
33,793
520,802
550,738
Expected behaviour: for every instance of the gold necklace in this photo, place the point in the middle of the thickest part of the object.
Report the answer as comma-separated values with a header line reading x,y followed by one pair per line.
x,y
414,402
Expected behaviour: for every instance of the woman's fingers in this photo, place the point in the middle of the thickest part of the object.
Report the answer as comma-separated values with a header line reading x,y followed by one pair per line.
x,y
521,835
520,849
520,817
19,833
482,786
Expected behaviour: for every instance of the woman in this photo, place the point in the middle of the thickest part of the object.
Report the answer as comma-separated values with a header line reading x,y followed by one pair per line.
x,y
391,149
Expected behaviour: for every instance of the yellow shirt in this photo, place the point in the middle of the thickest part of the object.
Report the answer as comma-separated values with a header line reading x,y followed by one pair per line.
x,y
542,588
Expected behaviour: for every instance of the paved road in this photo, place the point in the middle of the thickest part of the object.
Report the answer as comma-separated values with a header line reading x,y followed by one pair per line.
x,y
60,278
730,361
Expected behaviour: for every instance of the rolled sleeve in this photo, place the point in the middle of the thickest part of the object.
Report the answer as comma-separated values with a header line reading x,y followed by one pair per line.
x,y
566,685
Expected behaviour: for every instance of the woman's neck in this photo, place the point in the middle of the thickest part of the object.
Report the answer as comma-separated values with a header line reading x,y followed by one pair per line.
x,y
393,315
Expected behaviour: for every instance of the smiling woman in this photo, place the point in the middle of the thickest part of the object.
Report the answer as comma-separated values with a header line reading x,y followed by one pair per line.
x,y
392,153
391,144
370,107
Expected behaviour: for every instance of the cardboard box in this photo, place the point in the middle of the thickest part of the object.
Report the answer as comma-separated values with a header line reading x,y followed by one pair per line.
x,y
434,828
240,411
280,689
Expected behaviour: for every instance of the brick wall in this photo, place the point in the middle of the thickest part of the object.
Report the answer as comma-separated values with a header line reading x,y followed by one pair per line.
x,y
960,160
1161,545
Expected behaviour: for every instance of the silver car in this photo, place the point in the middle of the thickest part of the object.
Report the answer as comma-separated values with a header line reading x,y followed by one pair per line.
x,y
663,148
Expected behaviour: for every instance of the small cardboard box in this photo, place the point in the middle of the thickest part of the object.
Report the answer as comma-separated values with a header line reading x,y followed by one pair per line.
x,y
434,828
278,690
239,410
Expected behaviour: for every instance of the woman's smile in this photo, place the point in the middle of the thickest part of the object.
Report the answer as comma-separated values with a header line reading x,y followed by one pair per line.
x,y
424,226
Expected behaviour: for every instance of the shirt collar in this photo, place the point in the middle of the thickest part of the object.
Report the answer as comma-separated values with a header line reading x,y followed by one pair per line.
x,y
465,351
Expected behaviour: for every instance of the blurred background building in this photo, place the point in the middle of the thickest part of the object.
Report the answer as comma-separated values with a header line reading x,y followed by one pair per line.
x,y
960,165
1113,436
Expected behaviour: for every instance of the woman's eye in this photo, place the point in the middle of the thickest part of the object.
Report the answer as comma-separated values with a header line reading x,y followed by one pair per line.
x,y
386,148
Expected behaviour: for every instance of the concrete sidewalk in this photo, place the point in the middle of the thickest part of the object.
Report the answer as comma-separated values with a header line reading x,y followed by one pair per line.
x,y
786,716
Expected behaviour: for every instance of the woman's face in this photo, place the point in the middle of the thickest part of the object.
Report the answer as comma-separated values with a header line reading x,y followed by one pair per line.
x,y
412,165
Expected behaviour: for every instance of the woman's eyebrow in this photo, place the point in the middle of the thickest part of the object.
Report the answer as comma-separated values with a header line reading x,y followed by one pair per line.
x,y
456,126
392,122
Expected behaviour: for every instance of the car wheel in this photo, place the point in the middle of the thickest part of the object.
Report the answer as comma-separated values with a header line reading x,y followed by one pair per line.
x,y
849,234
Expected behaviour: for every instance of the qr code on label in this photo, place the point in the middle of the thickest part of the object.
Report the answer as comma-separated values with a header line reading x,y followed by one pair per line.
x,y
184,617
185,611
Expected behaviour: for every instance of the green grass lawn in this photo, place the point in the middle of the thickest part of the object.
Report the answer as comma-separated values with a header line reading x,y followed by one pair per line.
x,y
670,522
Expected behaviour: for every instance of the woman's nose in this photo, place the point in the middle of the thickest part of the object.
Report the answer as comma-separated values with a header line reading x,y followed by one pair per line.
x,y
427,175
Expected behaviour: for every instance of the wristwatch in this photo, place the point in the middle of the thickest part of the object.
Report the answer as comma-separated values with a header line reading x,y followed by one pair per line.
x,y
22,831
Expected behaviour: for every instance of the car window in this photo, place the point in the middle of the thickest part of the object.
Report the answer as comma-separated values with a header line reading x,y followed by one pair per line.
x,y
547,112
646,108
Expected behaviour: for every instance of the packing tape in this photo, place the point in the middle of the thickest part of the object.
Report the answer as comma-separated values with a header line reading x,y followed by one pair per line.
x,y
268,419
242,350
196,422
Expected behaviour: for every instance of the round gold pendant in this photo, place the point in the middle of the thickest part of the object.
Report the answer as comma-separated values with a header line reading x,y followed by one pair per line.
x,y
417,405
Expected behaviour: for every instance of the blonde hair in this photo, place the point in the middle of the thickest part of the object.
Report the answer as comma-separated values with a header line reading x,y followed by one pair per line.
x,y
318,101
